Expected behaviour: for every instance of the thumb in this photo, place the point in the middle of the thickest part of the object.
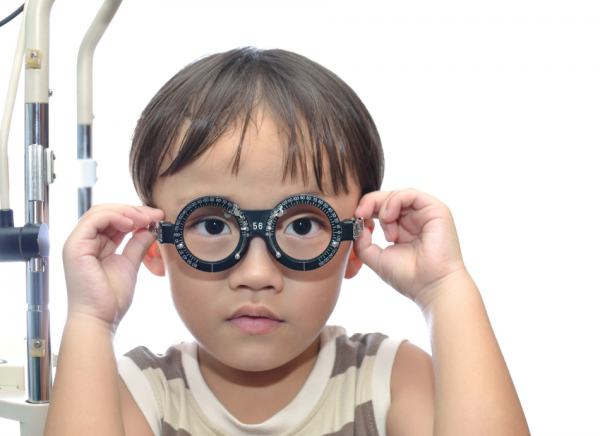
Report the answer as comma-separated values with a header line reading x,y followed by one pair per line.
x,y
138,246
364,249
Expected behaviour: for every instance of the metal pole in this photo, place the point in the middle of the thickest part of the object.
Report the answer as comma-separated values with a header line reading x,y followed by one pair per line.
x,y
84,151
85,115
31,408
37,271
37,200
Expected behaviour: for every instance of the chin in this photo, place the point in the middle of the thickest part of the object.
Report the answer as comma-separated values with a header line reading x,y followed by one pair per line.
x,y
255,358
264,366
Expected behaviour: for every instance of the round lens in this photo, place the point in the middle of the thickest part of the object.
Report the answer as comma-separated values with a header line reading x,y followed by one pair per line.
x,y
211,233
303,232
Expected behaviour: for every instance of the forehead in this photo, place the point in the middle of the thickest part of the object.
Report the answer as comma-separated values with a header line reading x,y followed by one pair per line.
x,y
259,183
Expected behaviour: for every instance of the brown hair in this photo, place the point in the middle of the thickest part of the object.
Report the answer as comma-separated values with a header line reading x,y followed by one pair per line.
x,y
223,91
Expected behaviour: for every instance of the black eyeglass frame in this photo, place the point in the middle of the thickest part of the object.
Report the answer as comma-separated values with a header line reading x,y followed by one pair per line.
x,y
257,223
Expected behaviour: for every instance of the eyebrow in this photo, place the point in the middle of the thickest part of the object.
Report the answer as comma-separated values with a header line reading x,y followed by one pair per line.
x,y
185,199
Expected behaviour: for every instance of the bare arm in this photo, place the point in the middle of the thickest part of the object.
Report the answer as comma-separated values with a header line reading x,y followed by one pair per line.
x,y
474,393
85,397
89,397
411,412
133,418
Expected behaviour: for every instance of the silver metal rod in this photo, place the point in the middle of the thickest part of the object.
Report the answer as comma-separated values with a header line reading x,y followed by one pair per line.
x,y
84,141
39,370
84,151
84,200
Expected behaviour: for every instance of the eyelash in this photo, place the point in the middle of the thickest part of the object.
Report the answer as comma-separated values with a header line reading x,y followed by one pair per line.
x,y
322,224
206,219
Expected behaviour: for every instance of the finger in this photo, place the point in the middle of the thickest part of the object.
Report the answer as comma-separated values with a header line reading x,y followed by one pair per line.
x,y
110,232
389,207
119,206
367,252
142,216
388,220
118,237
367,206
374,205
138,216
84,238
117,234
154,214
138,246
366,235
370,224
105,221
370,204
407,218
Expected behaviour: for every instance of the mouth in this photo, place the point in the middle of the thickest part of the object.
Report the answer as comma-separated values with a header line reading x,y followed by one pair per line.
x,y
254,320
254,311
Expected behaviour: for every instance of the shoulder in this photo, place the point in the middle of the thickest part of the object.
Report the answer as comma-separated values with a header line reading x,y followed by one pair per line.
x,y
144,358
412,393
147,381
134,421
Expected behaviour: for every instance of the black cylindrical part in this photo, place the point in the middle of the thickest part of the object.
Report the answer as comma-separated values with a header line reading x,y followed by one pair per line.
x,y
18,244
6,218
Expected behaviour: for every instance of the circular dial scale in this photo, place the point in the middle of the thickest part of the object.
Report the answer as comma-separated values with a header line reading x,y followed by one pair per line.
x,y
336,228
246,232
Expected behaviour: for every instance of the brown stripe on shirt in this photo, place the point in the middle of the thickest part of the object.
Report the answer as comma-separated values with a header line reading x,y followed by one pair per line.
x,y
352,351
364,422
170,363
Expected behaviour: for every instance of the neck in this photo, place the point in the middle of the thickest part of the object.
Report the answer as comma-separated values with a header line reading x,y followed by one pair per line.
x,y
254,396
212,368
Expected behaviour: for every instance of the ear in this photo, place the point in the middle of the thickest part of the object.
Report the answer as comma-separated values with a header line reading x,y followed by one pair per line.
x,y
353,266
154,261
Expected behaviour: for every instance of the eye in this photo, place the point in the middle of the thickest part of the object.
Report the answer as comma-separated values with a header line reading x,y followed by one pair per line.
x,y
304,227
212,227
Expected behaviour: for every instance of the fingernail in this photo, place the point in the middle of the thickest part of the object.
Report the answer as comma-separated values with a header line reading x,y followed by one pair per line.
x,y
387,236
384,212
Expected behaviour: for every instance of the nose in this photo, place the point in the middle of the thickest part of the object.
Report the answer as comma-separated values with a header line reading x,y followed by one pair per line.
x,y
257,270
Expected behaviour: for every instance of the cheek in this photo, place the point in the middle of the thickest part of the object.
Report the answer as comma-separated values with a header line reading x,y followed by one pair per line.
x,y
314,306
307,301
197,296
314,300
197,303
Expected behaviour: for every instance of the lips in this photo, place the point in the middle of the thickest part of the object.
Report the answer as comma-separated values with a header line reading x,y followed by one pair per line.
x,y
254,311
254,320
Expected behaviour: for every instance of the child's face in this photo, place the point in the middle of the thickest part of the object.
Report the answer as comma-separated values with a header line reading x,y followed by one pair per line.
x,y
302,300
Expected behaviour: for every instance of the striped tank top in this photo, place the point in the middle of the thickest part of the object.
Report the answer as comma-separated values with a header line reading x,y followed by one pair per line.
x,y
346,394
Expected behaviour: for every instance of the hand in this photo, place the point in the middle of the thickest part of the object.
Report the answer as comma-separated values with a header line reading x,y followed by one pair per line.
x,y
425,252
100,283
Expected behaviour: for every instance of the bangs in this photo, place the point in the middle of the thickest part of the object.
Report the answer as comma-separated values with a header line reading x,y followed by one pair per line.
x,y
319,118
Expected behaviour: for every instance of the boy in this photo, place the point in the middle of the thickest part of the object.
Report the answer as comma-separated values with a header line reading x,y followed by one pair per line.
x,y
266,132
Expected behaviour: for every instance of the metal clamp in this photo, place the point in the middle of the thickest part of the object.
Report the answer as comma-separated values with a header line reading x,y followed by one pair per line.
x,y
34,177
358,224
155,227
351,229
163,230
49,158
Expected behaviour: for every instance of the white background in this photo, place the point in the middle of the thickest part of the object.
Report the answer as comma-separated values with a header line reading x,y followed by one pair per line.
x,y
492,107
